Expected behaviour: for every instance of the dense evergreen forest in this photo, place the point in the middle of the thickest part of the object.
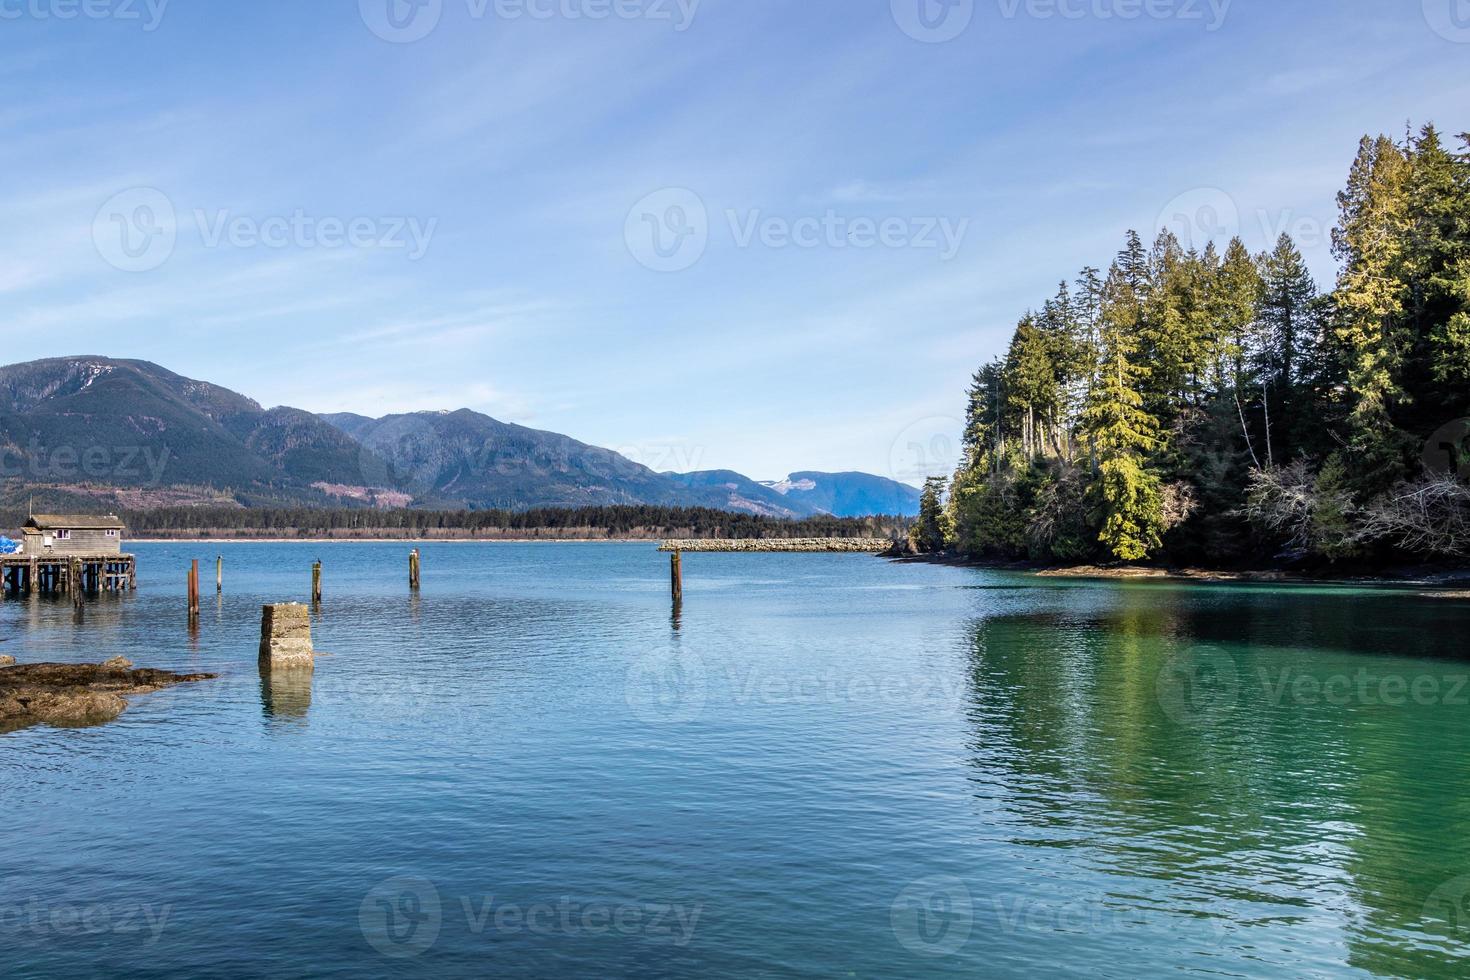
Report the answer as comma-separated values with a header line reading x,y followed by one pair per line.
x,y
634,521
1218,407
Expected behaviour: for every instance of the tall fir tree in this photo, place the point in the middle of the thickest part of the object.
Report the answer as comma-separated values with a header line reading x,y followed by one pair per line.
x,y
1032,393
1370,325
1120,432
930,530
1288,332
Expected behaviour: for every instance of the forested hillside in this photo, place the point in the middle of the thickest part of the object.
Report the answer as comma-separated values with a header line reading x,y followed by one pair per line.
x,y
634,521
1216,406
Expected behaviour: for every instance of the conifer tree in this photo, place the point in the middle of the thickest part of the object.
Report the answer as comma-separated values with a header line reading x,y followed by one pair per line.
x,y
1369,326
929,532
1288,303
1437,274
984,442
1120,432
1236,294
1031,388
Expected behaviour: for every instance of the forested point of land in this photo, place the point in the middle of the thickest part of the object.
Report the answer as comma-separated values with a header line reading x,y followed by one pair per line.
x,y
1215,407
633,521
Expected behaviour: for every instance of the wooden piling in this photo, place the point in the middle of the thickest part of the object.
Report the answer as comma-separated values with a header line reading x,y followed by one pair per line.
x,y
415,567
74,576
219,574
194,589
676,574
316,583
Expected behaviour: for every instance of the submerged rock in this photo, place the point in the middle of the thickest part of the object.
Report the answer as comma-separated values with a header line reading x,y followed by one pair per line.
x,y
76,695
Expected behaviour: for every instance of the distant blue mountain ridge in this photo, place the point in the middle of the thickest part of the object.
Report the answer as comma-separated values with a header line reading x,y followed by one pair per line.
x,y
99,431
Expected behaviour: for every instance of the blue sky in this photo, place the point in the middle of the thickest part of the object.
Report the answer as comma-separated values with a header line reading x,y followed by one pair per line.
x,y
315,205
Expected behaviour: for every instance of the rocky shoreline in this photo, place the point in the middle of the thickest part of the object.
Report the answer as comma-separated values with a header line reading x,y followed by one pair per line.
x,y
75,695
1449,583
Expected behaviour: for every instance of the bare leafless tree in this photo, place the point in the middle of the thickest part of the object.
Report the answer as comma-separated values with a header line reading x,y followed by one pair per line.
x,y
1429,517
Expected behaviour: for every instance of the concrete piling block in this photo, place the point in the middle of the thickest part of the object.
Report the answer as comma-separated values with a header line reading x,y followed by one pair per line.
x,y
285,636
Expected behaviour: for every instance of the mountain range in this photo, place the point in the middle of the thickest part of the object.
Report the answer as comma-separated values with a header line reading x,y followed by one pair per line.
x,y
98,431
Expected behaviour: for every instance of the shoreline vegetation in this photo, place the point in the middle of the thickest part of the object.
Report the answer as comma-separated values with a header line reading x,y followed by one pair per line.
x,y
868,546
1447,581
620,523
1196,405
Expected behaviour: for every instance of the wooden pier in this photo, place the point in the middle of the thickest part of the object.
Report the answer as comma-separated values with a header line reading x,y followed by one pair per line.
x,y
67,574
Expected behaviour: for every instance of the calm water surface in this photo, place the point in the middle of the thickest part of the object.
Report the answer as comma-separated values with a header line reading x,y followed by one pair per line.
x,y
821,766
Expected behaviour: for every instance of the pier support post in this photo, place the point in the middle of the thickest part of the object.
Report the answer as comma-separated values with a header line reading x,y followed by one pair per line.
x,y
74,582
194,590
413,568
316,584
219,574
285,637
676,574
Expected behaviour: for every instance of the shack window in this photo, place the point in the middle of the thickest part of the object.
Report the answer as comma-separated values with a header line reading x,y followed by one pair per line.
x,y
112,534
63,535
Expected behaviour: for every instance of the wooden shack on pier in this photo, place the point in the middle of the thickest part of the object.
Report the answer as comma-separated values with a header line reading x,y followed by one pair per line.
x,y
69,553
72,534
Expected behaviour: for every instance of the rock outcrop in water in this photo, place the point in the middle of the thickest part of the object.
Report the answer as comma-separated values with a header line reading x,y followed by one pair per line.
x,y
76,695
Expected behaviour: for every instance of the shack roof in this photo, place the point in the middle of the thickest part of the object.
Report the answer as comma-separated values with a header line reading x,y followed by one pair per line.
x,y
75,522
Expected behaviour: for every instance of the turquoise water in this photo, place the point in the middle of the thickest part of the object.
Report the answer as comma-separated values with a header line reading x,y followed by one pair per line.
x,y
819,766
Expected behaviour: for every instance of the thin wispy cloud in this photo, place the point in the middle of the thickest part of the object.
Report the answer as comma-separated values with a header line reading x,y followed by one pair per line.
x,y
527,144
